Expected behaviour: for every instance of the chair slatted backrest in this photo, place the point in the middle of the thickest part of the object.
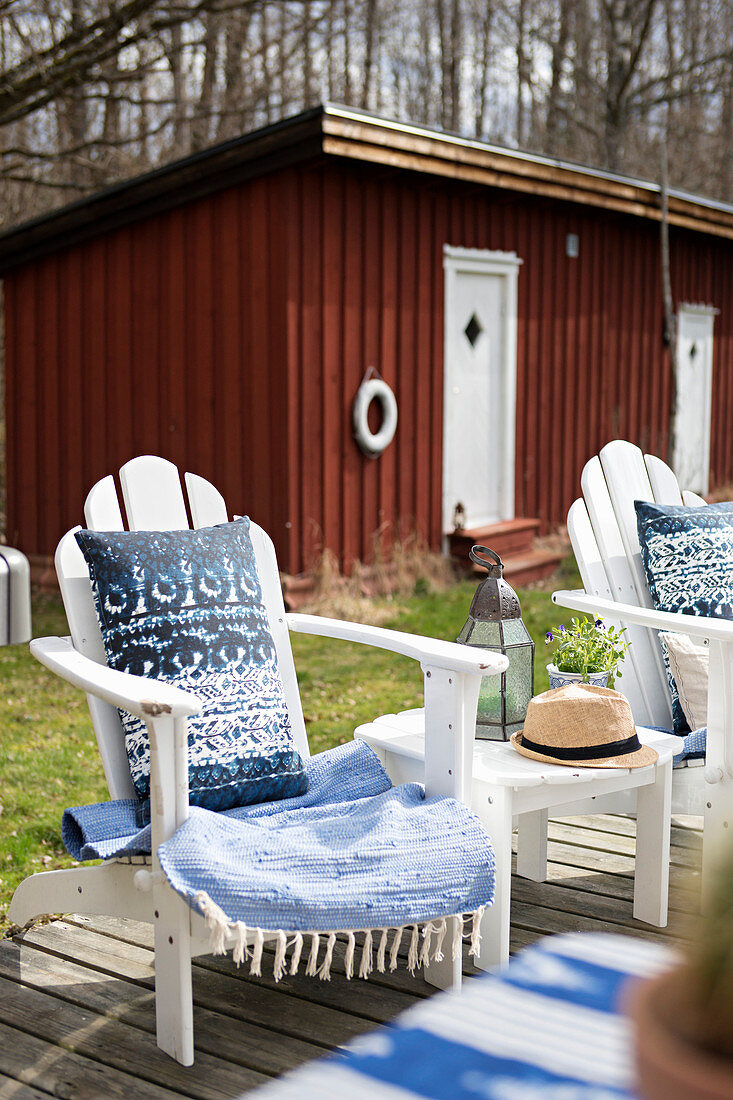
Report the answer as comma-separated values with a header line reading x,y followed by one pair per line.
x,y
603,533
154,501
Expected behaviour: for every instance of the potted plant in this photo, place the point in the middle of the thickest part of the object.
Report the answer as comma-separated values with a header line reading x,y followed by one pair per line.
x,y
683,1019
588,652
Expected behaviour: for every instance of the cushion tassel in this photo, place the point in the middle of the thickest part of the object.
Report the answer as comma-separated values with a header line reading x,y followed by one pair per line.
x,y
395,947
427,935
381,953
278,971
216,921
297,952
349,959
457,937
366,956
312,967
324,972
412,957
438,953
476,932
255,967
239,954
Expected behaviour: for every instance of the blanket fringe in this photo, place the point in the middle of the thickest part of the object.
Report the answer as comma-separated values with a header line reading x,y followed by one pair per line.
x,y
412,954
366,956
381,953
248,943
312,966
395,948
240,953
349,959
255,967
278,971
324,972
297,952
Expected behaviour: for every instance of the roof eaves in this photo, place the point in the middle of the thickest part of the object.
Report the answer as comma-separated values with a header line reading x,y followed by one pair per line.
x,y
359,135
203,173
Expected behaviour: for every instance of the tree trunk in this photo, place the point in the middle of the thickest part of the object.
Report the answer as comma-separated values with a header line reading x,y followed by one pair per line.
x,y
523,73
557,115
485,23
370,28
201,123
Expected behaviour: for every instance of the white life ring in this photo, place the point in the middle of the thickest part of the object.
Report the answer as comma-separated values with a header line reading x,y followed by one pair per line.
x,y
373,443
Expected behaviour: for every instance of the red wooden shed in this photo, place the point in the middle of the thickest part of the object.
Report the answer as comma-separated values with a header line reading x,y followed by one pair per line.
x,y
223,311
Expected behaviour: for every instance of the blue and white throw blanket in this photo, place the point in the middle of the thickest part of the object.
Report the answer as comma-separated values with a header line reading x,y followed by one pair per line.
x,y
353,854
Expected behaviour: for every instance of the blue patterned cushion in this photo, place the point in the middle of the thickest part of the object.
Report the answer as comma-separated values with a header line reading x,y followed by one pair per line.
x,y
186,607
687,554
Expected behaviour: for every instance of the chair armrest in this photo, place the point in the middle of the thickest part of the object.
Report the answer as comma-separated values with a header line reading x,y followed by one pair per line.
x,y
139,695
718,632
434,652
695,626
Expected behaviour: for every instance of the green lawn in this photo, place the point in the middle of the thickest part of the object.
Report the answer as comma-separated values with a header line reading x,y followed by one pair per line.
x,y
48,756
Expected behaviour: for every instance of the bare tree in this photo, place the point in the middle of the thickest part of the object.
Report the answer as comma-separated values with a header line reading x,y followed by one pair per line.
x,y
95,90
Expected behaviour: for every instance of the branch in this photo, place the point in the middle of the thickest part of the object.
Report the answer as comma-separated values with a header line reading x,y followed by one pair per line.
x,y
67,64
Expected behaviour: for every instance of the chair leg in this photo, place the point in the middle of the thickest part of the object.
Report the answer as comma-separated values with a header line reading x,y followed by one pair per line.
x,y
717,831
496,817
447,974
173,987
532,846
651,872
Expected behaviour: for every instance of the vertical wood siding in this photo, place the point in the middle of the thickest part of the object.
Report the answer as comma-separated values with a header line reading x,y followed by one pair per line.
x,y
164,337
231,335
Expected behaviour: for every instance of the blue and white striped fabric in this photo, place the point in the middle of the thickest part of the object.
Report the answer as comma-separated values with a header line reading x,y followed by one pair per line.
x,y
547,1028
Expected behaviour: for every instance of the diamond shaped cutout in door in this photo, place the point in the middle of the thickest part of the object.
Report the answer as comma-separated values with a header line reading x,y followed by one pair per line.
x,y
473,330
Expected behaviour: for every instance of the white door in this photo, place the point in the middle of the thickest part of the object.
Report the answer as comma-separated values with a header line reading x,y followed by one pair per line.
x,y
480,363
691,458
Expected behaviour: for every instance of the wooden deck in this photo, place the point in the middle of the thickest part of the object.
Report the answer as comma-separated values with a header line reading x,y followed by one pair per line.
x,y
76,1001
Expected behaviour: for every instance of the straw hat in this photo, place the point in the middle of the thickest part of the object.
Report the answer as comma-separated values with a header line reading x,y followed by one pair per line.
x,y
585,726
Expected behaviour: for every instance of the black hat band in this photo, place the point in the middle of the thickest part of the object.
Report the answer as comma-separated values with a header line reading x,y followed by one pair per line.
x,y
586,752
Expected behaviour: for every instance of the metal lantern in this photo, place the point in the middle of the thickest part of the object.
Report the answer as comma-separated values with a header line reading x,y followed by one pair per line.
x,y
494,623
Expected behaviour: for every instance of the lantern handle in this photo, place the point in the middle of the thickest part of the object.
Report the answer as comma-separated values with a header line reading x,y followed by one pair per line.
x,y
477,554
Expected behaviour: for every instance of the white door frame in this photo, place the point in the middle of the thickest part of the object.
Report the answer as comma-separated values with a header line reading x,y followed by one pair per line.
x,y
506,264
693,310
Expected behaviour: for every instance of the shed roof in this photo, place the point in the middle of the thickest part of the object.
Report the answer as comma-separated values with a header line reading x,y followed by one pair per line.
x,y
330,131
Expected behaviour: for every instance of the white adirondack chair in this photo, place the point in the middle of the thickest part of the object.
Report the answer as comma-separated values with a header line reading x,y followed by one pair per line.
x,y
603,533
154,500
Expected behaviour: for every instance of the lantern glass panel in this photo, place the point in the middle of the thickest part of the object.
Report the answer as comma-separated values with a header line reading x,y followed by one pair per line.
x,y
487,635
488,715
515,632
519,686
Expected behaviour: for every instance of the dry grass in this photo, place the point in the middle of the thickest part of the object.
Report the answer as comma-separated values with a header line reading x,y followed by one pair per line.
x,y
371,592
721,493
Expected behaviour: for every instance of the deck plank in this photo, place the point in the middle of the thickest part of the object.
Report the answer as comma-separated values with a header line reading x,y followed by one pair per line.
x,y
116,1044
11,1089
238,1041
49,1067
80,1016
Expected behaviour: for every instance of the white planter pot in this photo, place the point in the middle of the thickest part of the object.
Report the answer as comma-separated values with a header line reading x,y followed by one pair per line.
x,y
559,679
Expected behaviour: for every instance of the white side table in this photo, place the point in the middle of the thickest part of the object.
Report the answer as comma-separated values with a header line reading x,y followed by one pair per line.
x,y
506,784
